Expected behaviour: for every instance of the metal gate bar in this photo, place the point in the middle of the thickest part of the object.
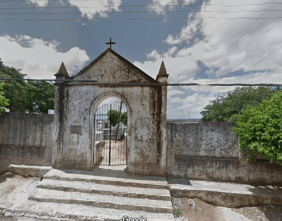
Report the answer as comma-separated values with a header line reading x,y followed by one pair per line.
x,y
110,140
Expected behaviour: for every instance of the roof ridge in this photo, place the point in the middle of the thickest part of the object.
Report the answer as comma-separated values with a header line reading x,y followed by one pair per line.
x,y
120,57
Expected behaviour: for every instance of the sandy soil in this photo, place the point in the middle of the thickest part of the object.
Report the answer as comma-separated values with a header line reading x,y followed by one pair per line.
x,y
203,211
261,213
206,212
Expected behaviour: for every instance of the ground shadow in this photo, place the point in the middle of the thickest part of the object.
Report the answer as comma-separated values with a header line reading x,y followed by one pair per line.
x,y
179,181
114,172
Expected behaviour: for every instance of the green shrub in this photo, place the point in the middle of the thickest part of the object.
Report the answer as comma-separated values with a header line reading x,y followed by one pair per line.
x,y
176,212
260,130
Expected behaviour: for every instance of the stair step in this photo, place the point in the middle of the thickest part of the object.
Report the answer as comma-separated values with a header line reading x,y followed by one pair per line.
x,y
123,191
101,201
110,179
61,211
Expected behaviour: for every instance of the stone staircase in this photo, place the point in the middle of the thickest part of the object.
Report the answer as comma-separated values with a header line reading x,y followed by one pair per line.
x,y
101,194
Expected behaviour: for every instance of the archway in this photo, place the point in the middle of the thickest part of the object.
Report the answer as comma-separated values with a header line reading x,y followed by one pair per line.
x,y
76,104
110,133
111,129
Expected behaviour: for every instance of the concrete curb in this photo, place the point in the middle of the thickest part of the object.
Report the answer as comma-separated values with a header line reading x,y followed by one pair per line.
x,y
26,171
228,194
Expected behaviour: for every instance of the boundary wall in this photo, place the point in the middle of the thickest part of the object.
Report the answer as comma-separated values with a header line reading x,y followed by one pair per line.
x,y
208,151
26,139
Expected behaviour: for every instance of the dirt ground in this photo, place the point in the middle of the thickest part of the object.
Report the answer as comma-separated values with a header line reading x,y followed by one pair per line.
x,y
206,212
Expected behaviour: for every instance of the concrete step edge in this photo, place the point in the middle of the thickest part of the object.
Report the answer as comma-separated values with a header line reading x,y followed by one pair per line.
x,y
106,192
111,182
38,214
99,204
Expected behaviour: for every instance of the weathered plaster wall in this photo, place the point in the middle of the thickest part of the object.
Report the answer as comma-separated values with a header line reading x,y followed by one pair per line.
x,y
75,148
26,139
208,151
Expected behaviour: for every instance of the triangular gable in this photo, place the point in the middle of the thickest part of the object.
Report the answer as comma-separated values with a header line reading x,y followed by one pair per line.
x,y
136,70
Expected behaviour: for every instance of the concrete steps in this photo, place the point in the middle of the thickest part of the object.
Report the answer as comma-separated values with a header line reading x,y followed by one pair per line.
x,y
108,179
101,201
61,211
88,187
97,195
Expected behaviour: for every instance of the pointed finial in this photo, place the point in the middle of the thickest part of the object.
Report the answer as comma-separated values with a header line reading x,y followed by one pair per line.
x,y
162,75
62,72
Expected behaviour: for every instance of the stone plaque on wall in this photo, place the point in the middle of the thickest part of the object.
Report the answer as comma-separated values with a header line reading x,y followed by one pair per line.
x,y
75,129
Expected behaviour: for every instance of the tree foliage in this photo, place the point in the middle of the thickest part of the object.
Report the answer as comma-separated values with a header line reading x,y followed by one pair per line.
x,y
3,100
40,96
32,97
260,130
113,116
225,106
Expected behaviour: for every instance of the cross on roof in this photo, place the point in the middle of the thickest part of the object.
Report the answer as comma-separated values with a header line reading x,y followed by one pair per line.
x,y
110,43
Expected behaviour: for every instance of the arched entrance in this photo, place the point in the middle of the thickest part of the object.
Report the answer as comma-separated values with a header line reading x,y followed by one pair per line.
x,y
76,104
110,135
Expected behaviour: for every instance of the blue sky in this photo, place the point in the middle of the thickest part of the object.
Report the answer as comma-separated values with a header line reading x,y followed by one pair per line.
x,y
213,41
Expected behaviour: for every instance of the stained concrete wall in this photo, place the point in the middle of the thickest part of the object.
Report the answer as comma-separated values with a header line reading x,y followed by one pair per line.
x,y
26,139
208,151
76,104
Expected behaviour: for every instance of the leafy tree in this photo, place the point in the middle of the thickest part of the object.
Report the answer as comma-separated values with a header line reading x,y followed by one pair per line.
x,y
40,96
123,117
260,130
14,91
113,116
34,97
3,100
225,106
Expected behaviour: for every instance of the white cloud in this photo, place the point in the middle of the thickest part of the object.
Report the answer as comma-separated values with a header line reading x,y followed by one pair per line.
x,y
179,68
39,58
89,8
101,7
40,3
232,45
174,92
160,6
223,46
186,34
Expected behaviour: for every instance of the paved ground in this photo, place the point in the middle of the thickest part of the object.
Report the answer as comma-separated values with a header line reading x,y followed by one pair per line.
x,y
118,152
15,189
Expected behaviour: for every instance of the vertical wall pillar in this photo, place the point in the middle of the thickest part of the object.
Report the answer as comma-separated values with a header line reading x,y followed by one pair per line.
x,y
162,78
59,116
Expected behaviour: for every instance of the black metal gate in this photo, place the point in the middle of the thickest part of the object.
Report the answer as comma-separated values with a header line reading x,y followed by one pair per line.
x,y
110,135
